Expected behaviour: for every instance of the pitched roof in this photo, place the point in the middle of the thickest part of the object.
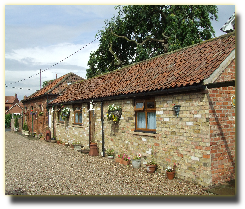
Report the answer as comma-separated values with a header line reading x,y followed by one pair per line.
x,y
20,105
185,67
9,99
54,87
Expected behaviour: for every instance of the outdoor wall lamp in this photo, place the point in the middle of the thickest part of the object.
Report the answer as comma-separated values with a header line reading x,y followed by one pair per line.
x,y
177,109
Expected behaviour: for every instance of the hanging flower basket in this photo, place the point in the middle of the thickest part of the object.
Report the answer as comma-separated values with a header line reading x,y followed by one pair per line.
x,y
65,113
40,113
114,113
33,113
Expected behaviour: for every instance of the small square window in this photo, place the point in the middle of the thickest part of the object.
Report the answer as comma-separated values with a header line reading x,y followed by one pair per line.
x,y
78,117
139,105
150,105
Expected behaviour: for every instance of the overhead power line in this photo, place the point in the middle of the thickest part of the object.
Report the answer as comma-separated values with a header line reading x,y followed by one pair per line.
x,y
7,85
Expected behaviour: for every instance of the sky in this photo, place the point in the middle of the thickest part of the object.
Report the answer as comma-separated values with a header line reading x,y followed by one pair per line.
x,y
40,36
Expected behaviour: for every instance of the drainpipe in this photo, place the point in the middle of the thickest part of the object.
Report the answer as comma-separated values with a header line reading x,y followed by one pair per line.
x,y
32,122
53,122
102,127
47,111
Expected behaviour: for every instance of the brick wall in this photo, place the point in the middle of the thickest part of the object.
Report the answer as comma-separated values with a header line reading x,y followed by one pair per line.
x,y
39,123
68,131
183,140
15,109
222,128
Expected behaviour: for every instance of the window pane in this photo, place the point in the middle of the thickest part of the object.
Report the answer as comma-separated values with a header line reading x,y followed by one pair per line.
x,y
151,120
76,117
80,118
139,104
141,120
150,104
60,118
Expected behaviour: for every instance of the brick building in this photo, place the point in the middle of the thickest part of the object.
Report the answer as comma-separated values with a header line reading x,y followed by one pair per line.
x,y
16,109
35,106
199,139
10,101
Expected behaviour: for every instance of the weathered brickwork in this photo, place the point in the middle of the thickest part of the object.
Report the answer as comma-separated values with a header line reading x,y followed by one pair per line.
x,y
39,101
15,109
68,131
229,73
36,123
183,140
222,129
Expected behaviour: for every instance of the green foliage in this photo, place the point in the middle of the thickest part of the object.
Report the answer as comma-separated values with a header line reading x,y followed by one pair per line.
x,y
45,83
110,152
25,127
140,32
8,118
16,122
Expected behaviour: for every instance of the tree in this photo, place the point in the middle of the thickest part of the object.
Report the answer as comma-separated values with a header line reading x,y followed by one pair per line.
x,y
45,83
16,122
140,32
8,118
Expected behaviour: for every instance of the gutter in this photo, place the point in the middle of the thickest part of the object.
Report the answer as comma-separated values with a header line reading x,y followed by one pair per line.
x,y
161,92
140,94
33,98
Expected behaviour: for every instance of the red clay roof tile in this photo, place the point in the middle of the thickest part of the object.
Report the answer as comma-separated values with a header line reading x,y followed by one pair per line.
x,y
55,87
183,67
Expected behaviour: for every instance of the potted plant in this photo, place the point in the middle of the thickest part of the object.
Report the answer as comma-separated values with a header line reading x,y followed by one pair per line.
x,y
119,158
26,130
110,153
40,136
53,140
125,159
77,145
152,165
136,161
170,172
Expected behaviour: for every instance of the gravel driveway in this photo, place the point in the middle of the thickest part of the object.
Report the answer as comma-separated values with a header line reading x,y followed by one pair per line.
x,y
36,167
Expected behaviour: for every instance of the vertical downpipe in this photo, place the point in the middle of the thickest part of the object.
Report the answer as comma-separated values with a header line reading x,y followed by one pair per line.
x,y
102,127
53,123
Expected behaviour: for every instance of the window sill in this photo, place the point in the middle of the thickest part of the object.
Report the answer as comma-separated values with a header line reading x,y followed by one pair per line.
x,y
144,134
77,125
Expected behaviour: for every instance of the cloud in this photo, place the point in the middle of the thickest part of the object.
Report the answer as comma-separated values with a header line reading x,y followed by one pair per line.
x,y
53,54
